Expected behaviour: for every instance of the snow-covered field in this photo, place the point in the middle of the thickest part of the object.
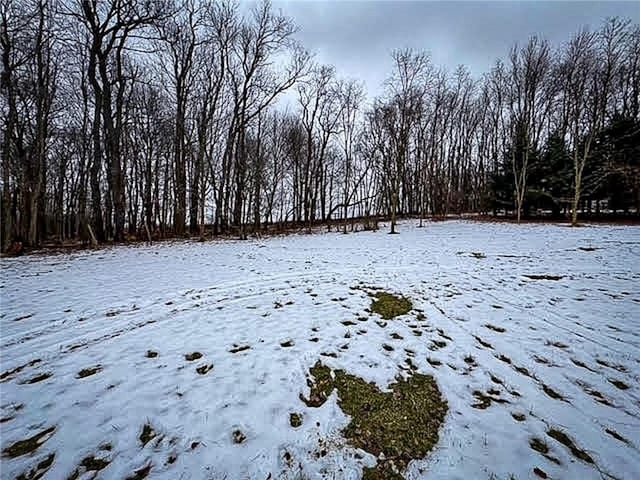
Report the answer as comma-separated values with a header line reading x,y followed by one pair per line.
x,y
544,353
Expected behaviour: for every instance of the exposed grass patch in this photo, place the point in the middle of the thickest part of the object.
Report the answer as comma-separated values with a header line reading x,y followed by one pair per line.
x,y
616,435
147,434
564,439
141,473
551,392
437,344
540,473
389,306
204,369
545,277
383,471
483,343
412,366
504,358
238,437
470,360
522,370
444,335
619,384
10,373
295,419
434,362
38,378
485,401
518,417
581,364
598,396
29,445
239,348
39,470
90,464
539,445
495,329
619,368
190,357
402,424
87,372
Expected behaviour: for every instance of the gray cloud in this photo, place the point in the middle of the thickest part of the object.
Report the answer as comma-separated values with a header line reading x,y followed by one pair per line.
x,y
358,36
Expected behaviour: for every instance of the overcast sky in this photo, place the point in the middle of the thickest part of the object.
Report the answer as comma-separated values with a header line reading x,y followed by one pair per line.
x,y
357,36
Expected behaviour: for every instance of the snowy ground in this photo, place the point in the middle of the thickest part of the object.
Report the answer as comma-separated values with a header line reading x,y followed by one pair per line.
x,y
545,352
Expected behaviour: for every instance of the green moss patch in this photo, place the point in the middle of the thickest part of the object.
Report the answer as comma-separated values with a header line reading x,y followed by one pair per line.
x,y
389,306
402,423
29,445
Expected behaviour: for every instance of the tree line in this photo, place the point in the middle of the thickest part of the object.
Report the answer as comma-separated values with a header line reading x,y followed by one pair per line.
x,y
141,118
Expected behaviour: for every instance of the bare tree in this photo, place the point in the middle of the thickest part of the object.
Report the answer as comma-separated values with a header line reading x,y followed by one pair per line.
x,y
530,99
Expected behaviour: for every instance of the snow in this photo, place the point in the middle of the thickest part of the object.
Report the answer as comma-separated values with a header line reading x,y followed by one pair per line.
x,y
109,307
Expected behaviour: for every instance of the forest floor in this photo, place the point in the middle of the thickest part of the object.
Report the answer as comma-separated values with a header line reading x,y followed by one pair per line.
x,y
199,360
